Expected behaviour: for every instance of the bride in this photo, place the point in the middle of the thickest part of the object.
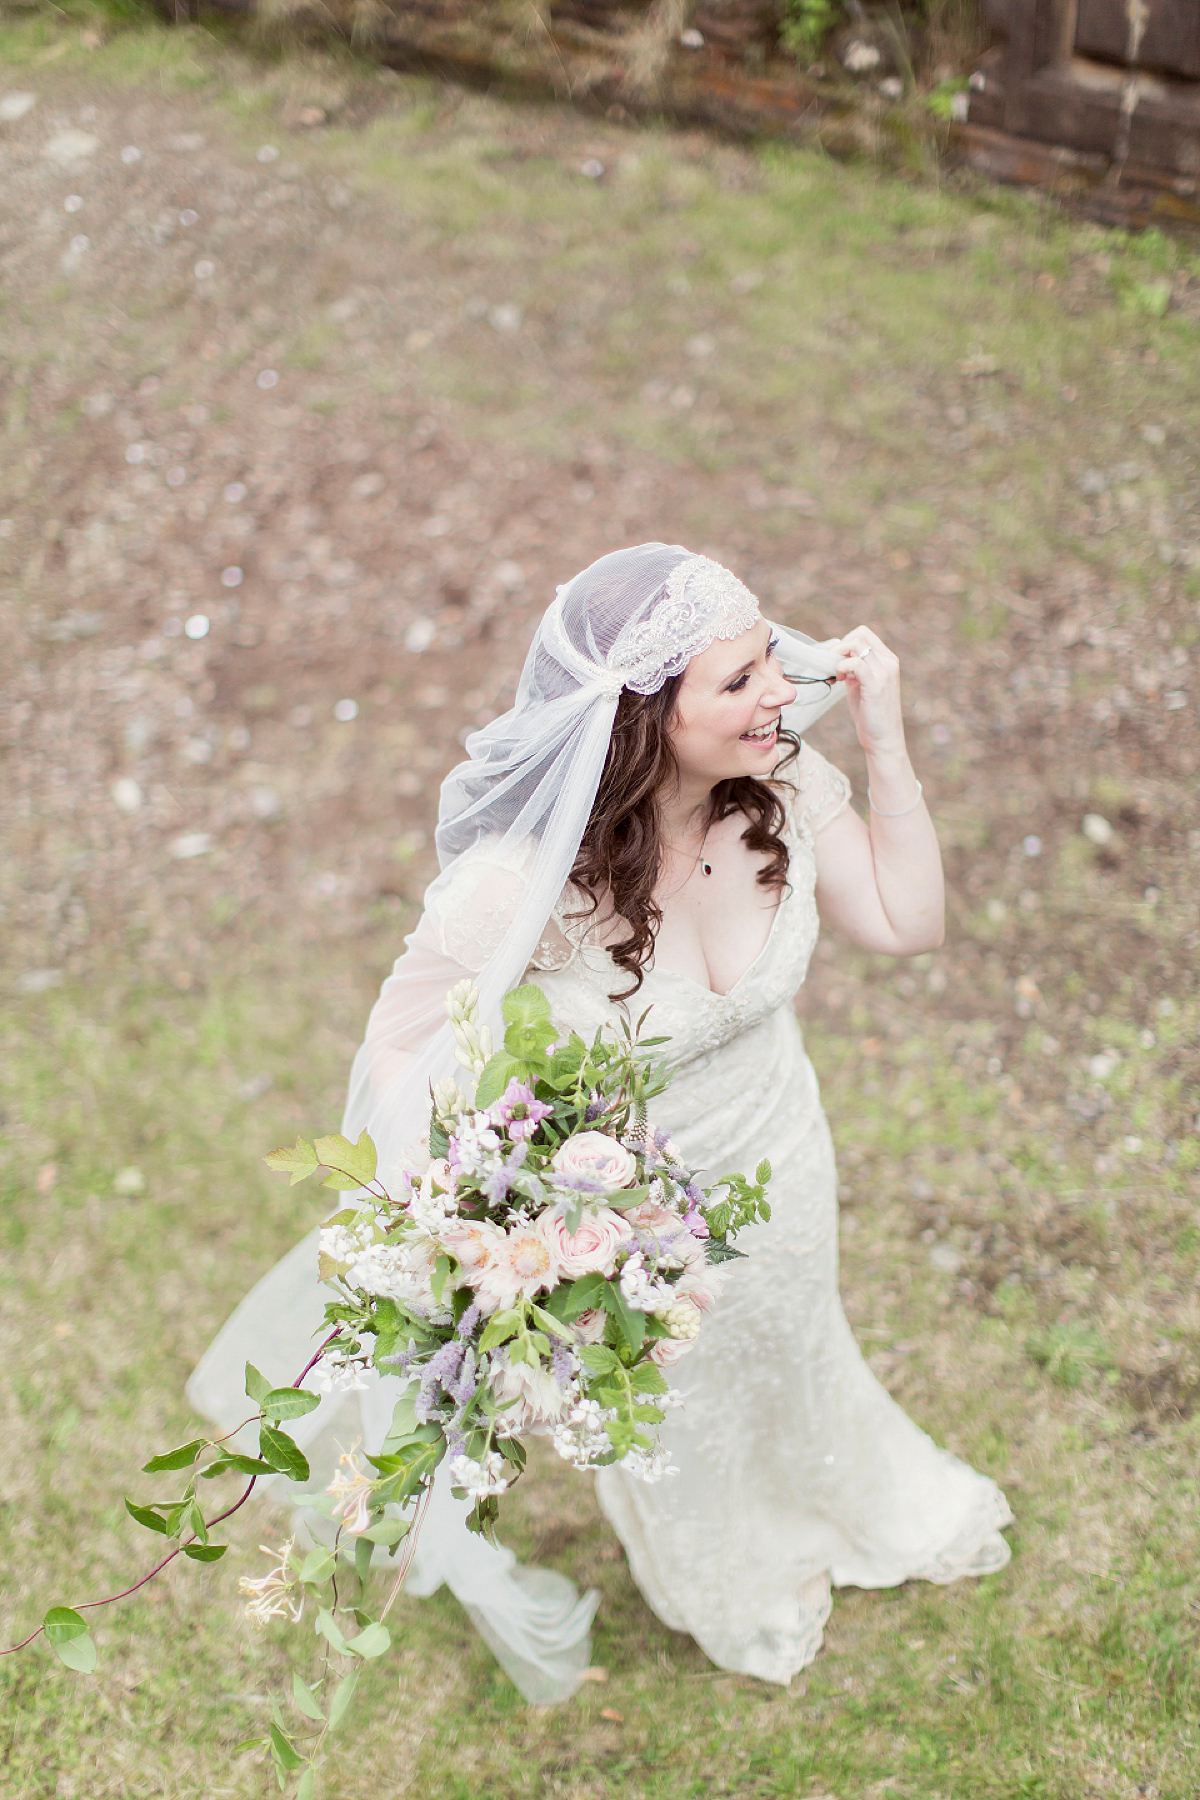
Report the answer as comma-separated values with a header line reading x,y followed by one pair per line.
x,y
643,830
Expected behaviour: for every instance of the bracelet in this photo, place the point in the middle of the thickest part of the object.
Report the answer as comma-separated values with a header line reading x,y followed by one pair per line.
x,y
903,809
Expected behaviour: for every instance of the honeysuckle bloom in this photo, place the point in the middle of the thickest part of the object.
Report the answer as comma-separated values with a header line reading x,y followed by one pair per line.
x,y
352,1493
274,1595
592,1157
590,1250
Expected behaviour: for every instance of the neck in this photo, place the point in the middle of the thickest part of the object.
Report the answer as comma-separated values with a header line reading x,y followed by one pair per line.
x,y
684,811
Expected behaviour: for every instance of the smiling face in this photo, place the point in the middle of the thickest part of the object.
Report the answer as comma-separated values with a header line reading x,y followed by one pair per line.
x,y
727,713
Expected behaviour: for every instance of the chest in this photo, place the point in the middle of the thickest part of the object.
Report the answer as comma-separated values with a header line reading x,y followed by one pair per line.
x,y
715,925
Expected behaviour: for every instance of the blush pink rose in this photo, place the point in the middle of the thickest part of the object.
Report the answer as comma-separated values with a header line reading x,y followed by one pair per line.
x,y
590,1250
667,1351
595,1157
589,1326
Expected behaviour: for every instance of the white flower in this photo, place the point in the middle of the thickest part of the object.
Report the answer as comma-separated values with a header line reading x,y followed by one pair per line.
x,y
593,1248
436,1197
639,1289
274,1595
479,1479
473,1241
537,1398
582,1437
591,1156
477,1148
681,1318
520,1265
352,1492
648,1465
332,1377
448,1099
397,1272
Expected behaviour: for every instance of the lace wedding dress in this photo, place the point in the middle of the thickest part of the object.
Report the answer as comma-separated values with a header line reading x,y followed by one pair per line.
x,y
796,1468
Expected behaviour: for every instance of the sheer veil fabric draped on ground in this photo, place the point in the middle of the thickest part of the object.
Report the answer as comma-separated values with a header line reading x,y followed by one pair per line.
x,y
796,1469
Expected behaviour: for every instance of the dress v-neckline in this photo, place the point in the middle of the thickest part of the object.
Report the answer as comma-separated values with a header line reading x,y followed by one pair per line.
x,y
713,993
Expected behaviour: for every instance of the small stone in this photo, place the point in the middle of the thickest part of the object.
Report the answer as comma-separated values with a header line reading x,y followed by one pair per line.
x,y
197,626
131,154
509,576
592,168
691,39
700,346
267,153
436,526
945,1258
267,378
192,843
129,1181
176,477
311,116
1097,830
1101,1067
47,1175
506,319
188,216
419,636
73,203
365,486
37,981
197,750
1154,434
127,794
204,269
265,803
234,493
1031,845
231,577
682,398
67,148
345,710
15,104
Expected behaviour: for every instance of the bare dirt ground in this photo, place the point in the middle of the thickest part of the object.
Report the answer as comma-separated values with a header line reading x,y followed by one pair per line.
x,y
302,426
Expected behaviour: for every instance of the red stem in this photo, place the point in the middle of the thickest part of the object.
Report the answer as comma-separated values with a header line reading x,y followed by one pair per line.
x,y
109,1599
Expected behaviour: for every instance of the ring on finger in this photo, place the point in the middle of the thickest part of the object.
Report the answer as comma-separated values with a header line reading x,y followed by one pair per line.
x,y
863,654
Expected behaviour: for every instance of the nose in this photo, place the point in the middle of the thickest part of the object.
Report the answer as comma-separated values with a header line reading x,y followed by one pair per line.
x,y
782,693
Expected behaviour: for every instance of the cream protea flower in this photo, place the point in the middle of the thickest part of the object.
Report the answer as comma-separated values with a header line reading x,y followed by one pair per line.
x,y
352,1492
274,1595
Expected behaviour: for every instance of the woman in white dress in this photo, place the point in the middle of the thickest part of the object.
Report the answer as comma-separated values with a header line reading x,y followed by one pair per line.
x,y
643,831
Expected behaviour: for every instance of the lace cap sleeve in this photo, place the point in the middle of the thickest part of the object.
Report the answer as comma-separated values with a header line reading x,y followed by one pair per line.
x,y
820,791
471,906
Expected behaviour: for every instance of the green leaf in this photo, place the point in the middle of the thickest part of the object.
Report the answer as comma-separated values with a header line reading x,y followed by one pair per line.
x,y
631,1322
388,1531
342,1696
495,1077
182,1458
404,1416
278,1449
371,1642
440,1276
306,1787
303,1696
205,1552
318,1565
248,1744
232,1460
78,1653
331,1631
283,1750
299,1161
364,1550
525,1005
499,1328
598,1358
151,1520
763,1173
257,1386
289,1403
62,1623
552,1325
356,1162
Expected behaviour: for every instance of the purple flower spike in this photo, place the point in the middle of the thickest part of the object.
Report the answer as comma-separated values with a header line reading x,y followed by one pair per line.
x,y
518,1112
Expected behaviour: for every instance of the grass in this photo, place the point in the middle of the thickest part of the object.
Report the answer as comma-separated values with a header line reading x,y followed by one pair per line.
x,y
1021,1277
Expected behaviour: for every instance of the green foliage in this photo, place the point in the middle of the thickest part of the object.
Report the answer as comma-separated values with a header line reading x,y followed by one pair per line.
x,y
805,24
1070,1353
70,1639
940,100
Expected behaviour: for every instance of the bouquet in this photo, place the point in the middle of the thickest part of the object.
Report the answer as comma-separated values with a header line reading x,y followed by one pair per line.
x,y
544,1257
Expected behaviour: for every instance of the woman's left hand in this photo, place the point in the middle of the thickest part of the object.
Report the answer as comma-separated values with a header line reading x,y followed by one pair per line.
x,y
871,673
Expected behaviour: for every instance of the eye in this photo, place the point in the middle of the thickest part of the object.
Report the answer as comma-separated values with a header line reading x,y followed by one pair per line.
x,y
738,683
773,646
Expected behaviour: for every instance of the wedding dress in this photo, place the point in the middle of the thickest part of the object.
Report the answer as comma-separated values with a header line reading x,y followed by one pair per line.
x,y
795,1468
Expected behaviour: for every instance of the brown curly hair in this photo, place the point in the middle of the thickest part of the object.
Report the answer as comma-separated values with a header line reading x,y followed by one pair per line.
x,y
620,855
